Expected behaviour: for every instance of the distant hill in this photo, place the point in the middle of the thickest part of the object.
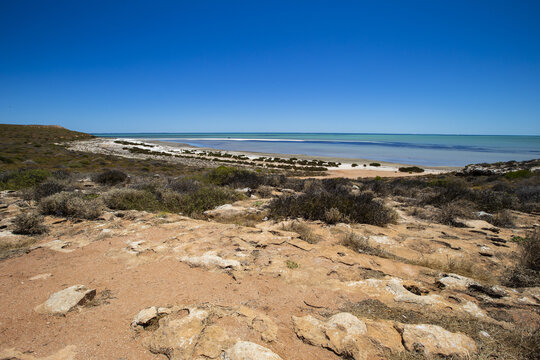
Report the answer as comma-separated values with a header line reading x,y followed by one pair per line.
x,y
39,134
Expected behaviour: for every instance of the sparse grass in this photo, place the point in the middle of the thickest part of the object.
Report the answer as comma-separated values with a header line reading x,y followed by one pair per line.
x,y
361,245
508,344
303,230
9,249
458,266
29,223
131,199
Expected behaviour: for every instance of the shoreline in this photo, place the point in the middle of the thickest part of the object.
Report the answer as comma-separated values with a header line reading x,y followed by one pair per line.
x,y
387,169
204,156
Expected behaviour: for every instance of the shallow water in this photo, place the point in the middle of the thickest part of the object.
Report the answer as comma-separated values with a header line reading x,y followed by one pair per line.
x,y
429,150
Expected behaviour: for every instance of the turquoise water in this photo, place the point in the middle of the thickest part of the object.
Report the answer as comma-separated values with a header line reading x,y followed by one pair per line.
x,y
429,150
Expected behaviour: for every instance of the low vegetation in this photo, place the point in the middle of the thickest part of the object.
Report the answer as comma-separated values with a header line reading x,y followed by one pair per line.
x,y
526,272
71,205
320,203
29,223
305,232
411,169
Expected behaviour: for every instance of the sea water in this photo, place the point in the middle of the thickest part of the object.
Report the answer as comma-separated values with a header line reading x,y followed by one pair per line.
x,y
429,150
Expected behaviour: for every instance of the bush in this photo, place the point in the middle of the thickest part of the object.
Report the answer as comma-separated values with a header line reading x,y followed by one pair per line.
x,y
110,177
47,188
313,205
518,174
131,199
527,272
234,177
411,169
29,224
21,179
184,185
265,191
374,164
449,213
502,219
71,205
207,198
333,216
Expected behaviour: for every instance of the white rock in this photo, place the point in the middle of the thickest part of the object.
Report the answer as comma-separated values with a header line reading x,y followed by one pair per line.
x,y
63,301
245,350
456,282
210,259
434,340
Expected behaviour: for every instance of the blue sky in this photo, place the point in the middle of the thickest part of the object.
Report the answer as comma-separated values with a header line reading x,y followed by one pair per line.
x,y
460,67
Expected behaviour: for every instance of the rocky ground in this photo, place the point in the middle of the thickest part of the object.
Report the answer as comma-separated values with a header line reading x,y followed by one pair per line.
x,y
138,285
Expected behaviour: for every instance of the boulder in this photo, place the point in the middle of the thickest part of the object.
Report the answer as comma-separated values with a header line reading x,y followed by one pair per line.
x,y
348,336
65,300
433,340
245,350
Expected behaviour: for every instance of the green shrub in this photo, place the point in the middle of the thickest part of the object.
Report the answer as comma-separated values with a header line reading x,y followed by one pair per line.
x,y
131,199
29,223
206,198
313,205
374,164
519,174
71,205
354,165
21,179
234,177
110,177
411,169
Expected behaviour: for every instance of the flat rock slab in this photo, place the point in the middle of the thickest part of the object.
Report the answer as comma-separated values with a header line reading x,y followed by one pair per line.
x,y
63,301
245,350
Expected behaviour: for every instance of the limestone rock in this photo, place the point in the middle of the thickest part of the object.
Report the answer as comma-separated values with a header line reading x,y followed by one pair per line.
x,y
455,282
245,350
347,335
434,340
63,301
67,353
41,277
229,210
177,336
209,260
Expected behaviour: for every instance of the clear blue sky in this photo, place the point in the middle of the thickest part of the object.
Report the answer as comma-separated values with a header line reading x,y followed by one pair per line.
x,y
308,66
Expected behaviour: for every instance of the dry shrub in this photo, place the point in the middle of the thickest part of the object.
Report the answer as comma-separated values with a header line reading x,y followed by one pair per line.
x,y
333,216
503,219
361,244
303,230
458,266
265,191
29,223
71,205
527,272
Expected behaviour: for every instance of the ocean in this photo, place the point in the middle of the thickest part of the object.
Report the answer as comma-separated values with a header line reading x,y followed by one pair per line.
x,y
428,150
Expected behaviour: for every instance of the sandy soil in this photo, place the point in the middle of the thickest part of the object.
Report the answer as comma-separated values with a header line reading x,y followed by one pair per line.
x,y
136,260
